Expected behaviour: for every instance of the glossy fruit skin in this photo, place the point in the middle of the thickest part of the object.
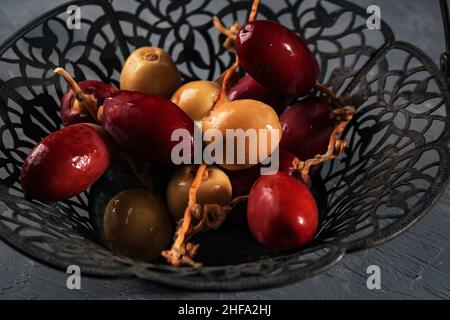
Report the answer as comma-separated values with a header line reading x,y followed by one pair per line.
x,y
143,124
216,189
244,114
69,114
307,126
137,224
197,98
150,70
281,212
249,88
67,162
242,181
277,58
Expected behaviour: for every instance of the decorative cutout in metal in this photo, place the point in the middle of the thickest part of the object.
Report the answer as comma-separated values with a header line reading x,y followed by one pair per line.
x,y
395,167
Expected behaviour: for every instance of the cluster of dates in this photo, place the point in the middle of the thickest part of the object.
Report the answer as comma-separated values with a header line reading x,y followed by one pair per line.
x,y
130,130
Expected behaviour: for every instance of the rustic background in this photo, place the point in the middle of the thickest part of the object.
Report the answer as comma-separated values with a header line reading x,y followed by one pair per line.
x,y
414,265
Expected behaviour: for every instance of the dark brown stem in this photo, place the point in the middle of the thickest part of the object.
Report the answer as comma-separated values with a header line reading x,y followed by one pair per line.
x,y
238,200
72,83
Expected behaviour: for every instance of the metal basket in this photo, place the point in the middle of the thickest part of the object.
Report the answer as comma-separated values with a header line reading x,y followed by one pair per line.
x,y
396,165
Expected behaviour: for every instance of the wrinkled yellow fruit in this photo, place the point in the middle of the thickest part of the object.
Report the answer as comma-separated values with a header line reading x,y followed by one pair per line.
x,y
197,98
243,115
150,70
137,224
216,189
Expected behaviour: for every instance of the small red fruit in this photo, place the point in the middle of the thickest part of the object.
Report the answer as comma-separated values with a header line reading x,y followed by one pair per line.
x,y
307,126
281,212
248,88
277,58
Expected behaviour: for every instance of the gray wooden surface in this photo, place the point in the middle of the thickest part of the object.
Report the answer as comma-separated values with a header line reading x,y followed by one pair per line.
x,y
414,265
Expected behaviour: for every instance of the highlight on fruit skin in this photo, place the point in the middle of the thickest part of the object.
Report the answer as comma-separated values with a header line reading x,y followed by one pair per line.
x,y
215,189
67,162
197,98
143,125
248,116
150,70
137,224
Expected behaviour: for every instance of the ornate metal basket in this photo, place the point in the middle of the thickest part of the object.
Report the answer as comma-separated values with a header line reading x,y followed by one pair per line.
x,y
396,165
